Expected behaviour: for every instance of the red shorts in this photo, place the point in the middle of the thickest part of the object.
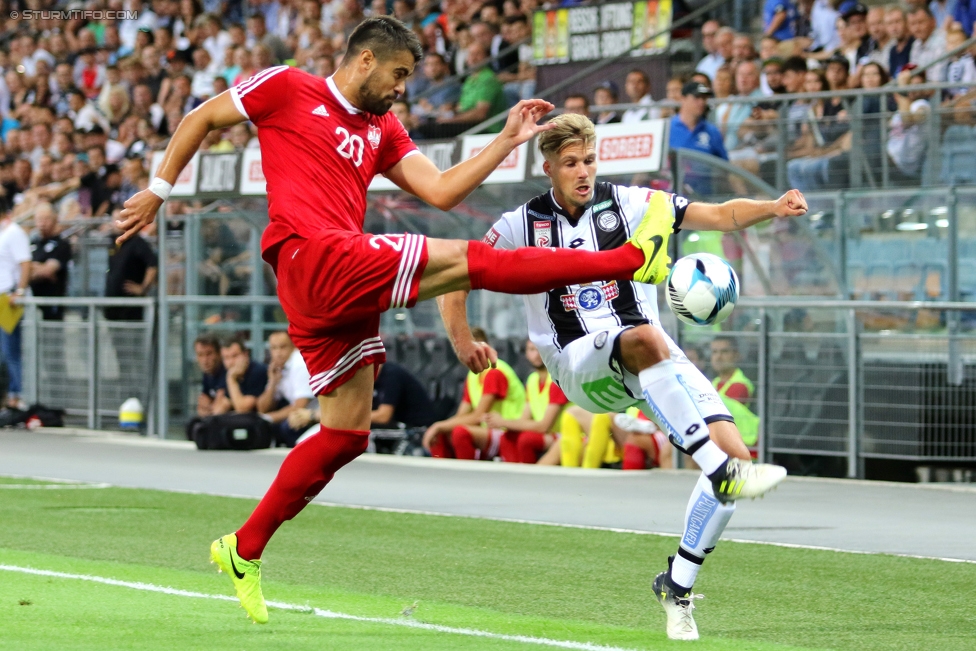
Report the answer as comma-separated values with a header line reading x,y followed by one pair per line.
x,y
333,287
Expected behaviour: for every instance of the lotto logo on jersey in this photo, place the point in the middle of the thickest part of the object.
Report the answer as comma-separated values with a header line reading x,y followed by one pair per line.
x,y
543,233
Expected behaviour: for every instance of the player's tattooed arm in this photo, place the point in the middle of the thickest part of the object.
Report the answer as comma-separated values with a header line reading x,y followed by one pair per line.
x,y
739,214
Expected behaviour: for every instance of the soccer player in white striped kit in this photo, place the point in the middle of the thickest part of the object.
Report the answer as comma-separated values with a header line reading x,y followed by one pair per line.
x,y
604,345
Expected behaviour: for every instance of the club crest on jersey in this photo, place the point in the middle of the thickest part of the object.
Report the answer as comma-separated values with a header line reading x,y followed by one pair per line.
x,y
590,297
373,136
543,233
608,221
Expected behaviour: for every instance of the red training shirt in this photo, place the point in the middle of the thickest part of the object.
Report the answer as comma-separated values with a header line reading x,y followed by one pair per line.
x,y
318,151
496,384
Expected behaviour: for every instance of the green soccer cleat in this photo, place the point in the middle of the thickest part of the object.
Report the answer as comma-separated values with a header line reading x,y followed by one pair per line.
x,y
678,608
747,479
652,236
246,576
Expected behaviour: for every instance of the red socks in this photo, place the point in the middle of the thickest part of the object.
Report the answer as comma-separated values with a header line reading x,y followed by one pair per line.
x,y
532,270
463,443
303,474
634,457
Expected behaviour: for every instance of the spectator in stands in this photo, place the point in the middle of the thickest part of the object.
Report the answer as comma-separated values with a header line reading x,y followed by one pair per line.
x,y
942,11
690,130
964,14
852,28
644,444
794,76
779,19
49,262
819,156
519,82
772,77
528,437
713,58
906,135
960,68
15,270
401,109
743,50
495,47
132,269
902,41
206,349
481,94
879,42
257,34
465,435
576,104
637,86
606,94
929,45
747,84
287,389
734,388
723,87
823,28
443,91
244,380
672,94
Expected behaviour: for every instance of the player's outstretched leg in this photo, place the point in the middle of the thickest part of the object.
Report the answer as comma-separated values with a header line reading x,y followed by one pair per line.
x,y
645,351
705,520
651,237
246,576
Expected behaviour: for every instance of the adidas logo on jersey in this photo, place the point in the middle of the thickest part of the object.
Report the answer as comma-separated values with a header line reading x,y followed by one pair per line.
x,y
320,110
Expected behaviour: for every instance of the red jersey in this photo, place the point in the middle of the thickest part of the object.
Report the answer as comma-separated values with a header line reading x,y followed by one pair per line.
x,y
318,151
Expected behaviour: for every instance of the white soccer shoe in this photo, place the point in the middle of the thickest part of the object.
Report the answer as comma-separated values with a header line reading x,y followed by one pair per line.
x,y
747,479
681,621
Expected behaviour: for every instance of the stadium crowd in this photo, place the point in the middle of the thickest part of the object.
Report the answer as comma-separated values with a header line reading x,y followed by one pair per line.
x,y
501,416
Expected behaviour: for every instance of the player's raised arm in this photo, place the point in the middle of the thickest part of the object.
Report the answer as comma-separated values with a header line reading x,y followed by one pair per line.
x,y
419,176
737,214
140,210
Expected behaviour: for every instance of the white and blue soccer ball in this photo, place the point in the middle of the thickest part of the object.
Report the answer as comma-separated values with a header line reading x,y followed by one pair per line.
x,y
702,289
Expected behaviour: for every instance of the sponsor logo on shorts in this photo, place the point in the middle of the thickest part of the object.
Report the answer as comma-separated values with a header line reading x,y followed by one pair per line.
x,y
543,233
373,136
590,297
601,339
491,237
701,512
607,393
608,221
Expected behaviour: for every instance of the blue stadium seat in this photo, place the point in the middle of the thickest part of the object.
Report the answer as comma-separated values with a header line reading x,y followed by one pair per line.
x,y
959,155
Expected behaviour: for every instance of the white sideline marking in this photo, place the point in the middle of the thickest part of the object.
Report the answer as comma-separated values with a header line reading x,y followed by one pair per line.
x,y
319,612
53,486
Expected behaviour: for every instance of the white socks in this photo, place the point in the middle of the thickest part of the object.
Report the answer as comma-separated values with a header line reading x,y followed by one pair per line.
x,y
676,412
705,520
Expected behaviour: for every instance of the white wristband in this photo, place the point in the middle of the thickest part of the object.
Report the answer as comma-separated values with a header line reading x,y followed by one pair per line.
x,y
160,188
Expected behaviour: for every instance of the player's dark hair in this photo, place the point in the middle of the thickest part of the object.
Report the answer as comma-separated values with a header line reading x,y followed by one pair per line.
x,y
208,340
384,36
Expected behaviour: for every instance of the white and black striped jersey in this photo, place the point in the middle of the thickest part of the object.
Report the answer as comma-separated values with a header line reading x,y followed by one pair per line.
x,y
565,314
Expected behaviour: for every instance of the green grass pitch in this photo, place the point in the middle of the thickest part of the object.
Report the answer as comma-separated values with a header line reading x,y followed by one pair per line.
x,y
502,578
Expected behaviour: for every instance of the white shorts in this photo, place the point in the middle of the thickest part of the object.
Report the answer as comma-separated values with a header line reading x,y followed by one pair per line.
x,y
590,377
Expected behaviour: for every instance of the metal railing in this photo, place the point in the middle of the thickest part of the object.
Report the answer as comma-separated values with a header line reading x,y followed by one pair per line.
x,y
89,362
834,380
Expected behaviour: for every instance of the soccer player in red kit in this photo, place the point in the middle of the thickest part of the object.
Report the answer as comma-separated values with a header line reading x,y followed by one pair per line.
x,y
322,142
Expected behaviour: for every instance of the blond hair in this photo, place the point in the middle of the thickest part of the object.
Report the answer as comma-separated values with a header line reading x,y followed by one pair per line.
x,y
570,129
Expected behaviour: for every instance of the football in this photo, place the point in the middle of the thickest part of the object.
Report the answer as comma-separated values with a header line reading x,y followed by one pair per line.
x,y
702,289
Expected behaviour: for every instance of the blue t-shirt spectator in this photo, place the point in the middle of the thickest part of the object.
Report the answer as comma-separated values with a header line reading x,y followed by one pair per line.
x,y
213,382
252,384
706,138
787,28
964,13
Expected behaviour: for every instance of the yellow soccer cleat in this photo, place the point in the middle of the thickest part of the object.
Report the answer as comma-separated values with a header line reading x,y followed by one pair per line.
x,y
652,236
246,576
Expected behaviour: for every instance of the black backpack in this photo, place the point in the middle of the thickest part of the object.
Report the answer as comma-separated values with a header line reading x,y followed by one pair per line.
x,y
231,432
49,417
